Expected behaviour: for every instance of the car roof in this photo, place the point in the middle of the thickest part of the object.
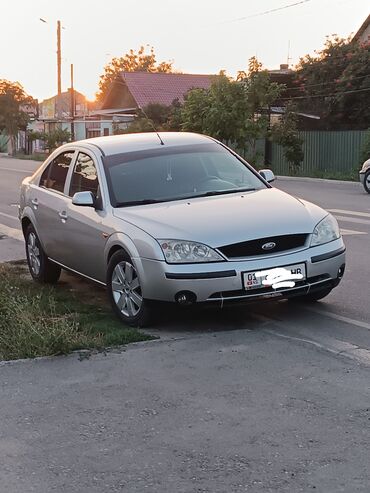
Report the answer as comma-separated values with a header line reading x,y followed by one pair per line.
x,y
116,144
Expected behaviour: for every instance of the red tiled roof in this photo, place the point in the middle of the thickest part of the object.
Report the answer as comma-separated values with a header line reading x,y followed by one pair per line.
x,y
162,88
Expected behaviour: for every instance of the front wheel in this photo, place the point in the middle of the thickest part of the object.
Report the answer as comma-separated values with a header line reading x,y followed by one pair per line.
x,y
312,297
125,292
367,181
41,269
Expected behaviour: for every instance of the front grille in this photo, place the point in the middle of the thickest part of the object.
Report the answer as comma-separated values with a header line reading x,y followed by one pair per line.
x,y
254,248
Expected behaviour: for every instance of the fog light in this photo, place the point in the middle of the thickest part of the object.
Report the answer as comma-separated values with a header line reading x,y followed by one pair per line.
x,y
341,271
185,298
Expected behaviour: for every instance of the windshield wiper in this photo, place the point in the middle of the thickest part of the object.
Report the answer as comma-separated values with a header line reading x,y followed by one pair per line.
x,y
139,202
221,192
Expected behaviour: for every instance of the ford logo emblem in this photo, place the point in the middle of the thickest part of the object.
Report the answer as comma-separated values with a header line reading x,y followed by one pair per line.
x,y
269,246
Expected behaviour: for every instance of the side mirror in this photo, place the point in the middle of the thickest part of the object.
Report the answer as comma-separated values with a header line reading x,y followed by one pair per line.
x,y
84,199
267,174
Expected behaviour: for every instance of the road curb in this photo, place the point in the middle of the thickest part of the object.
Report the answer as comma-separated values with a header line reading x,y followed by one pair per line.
x,y
317,180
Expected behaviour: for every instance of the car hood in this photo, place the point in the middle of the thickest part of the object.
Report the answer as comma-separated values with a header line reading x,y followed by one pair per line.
x,y
225,219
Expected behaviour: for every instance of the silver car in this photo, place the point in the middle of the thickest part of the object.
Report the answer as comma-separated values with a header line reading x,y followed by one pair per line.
x,y
174,217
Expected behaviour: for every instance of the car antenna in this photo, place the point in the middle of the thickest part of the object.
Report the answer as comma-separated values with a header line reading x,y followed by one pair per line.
x,y
152,124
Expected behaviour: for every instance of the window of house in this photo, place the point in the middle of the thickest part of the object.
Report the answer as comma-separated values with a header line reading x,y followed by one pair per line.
x,y
90,134
54,176
84,176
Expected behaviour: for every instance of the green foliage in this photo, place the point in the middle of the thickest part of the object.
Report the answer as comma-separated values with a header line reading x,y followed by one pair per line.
x,y
237,112
53,139
40,320
12,117
219,111
335,84
133,61
285,133
155,116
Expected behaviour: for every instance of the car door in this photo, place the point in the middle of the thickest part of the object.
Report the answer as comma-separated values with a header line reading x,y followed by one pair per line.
x,y
87,228
48,200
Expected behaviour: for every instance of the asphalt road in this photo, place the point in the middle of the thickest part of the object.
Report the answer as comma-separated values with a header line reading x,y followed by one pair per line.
x,y
264,398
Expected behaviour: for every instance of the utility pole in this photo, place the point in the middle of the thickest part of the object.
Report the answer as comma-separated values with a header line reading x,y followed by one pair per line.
x,y
72,106
59,60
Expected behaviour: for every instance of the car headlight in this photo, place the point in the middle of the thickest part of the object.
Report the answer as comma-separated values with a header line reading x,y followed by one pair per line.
x,y
180,251
327,230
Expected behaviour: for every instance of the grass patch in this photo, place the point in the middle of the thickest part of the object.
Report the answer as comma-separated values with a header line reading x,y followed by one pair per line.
x,y
41,320
36,156
350,175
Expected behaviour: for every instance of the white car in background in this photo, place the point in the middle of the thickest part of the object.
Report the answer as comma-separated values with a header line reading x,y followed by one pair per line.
x,y
365,175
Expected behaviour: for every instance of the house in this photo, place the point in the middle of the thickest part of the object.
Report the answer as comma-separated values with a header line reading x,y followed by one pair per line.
x,y
131,91
59,106
363,34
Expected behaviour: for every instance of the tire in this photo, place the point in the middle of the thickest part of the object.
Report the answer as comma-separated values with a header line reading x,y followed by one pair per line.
x,y
312,297
125,293
367,181
40,267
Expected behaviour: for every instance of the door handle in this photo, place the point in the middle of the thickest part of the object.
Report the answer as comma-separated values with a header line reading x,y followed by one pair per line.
x,y
35,203
63,215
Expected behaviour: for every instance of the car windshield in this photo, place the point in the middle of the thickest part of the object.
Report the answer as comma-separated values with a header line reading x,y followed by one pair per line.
x,y
174,173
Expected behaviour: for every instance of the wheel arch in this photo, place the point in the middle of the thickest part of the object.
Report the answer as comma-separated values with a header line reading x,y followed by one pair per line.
x,y
25,222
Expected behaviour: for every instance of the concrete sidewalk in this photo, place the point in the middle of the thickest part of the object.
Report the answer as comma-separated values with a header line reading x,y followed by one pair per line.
x,y
11,244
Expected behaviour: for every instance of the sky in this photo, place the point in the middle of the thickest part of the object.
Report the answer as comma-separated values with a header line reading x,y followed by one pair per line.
x,y
199,36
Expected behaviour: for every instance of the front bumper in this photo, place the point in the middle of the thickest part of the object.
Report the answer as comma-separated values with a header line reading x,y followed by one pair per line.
x,y
221,281
362,177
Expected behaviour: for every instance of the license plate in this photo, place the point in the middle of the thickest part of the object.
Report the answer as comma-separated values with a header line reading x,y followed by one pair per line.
x,y
251,281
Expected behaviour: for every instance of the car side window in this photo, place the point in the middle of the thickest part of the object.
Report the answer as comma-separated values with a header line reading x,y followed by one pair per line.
x,y
84,177
54,176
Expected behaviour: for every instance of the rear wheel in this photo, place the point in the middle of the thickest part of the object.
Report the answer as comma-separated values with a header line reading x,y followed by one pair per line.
x,y
41,269
125,292
367,181
312,297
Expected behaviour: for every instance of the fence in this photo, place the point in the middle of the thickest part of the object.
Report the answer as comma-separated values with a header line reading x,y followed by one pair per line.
x,y
325,152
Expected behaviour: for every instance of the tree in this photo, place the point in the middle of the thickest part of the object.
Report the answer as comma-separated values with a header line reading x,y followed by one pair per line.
x,y
335,84
53,139
133,61
12,117
155,116
236,112
285,133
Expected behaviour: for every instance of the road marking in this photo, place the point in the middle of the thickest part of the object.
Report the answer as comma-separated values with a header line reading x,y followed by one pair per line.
x,y
338,348
352,213
331,345
9,216
16,234
341,318
351,232
353,220
29,171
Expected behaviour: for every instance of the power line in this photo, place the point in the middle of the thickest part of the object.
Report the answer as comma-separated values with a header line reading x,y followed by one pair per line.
x,y
350,79
266,12
326,95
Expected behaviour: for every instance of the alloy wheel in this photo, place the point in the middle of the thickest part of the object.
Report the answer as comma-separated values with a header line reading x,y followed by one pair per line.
x,y
126,289
34,254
